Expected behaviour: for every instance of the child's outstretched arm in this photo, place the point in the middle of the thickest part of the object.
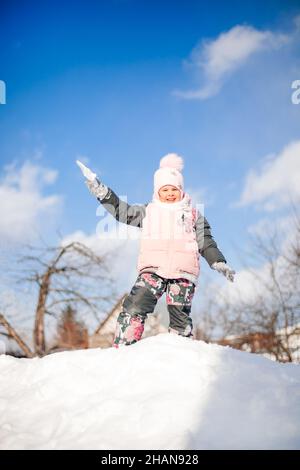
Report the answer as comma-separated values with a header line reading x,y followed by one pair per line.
x,y
209,250
123,212
120,210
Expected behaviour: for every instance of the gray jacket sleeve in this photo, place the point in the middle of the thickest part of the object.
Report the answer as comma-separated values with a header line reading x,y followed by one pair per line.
x,y
121,211
206,243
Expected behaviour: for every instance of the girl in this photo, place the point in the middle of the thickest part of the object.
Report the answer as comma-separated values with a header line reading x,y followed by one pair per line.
x,y
173,236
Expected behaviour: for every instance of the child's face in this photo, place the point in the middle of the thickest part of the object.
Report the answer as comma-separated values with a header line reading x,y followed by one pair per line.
x,y
169,194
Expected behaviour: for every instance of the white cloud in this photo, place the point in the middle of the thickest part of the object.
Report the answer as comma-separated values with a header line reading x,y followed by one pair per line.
x,y
23,207
251,284
248,286
297,23
219,58
277,183
264,227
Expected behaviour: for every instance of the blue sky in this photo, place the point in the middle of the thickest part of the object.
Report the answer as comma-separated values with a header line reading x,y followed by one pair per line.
x,y
121,83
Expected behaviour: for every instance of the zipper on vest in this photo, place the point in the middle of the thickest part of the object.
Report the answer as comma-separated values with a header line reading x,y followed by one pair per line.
x,y
171,240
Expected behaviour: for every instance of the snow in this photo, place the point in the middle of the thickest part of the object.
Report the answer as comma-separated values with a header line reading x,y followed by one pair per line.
x,y
165,392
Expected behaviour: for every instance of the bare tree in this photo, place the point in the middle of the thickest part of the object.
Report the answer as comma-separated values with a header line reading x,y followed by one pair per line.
x,y
277,310
11,333
269,322
71,274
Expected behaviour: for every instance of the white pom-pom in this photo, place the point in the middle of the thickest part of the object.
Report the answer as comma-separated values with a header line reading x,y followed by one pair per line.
x,y
172,160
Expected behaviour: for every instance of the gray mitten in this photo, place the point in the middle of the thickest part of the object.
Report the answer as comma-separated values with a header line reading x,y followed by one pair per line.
x,y
224,269
96,188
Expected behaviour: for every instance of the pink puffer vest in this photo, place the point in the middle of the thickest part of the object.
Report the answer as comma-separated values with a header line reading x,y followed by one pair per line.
x,y
168,240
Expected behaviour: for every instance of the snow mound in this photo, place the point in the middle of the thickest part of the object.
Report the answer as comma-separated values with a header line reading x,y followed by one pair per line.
x,y
165,392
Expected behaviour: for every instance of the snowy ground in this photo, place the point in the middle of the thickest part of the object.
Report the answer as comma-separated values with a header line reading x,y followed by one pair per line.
x,y
166,392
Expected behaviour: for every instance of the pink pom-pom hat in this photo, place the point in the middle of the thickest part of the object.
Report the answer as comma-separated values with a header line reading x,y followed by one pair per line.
x,y
169,173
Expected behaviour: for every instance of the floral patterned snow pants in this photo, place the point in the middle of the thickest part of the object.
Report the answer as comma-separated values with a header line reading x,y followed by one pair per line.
x,y
148,288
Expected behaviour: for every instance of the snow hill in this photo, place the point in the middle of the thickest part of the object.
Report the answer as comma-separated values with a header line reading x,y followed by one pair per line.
x,y
165,392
